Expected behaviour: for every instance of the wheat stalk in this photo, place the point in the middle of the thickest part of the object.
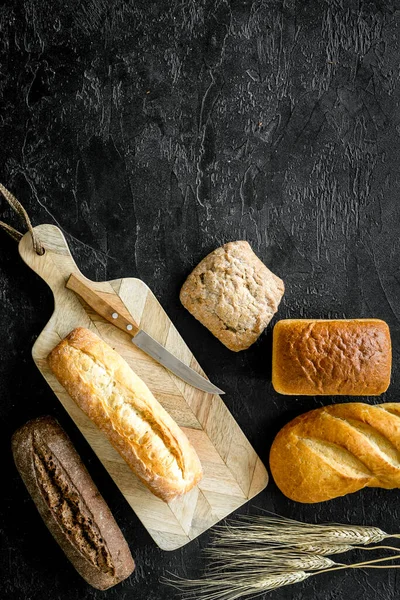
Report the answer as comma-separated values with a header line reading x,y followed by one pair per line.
x,y
278,560
257,554
320,549
231,588
275,560
233,585
281,532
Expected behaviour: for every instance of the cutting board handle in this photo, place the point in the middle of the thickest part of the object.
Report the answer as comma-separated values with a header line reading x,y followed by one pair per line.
x,y
56,264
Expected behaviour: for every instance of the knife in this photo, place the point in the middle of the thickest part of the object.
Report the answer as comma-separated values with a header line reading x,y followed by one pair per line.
x,y
116,313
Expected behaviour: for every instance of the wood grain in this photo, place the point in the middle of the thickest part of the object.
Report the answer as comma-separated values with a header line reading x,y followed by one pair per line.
x,y
233,473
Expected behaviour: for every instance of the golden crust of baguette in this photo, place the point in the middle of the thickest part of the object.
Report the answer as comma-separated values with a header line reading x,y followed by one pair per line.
x,y
121,405
350,357
336,450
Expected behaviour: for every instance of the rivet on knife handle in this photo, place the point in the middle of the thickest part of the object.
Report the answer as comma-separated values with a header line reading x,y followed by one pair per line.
x,y
107,309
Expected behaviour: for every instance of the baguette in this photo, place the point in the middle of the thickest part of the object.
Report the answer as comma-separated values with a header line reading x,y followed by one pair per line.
x,y
331,357
70,504
124,409
337,450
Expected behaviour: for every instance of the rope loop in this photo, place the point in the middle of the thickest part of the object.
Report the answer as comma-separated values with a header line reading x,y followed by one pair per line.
x,y
20,210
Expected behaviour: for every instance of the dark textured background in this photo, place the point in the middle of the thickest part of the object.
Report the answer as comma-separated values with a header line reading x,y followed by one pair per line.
x,y
151,133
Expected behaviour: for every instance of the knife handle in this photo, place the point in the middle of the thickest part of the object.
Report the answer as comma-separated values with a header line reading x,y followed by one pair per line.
x,y
110,309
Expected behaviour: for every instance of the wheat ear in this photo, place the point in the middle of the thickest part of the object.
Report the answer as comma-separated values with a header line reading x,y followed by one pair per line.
x,y
282,532
275,561
228,587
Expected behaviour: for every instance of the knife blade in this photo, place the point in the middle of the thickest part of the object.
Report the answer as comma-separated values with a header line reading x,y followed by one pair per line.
x,y
113,310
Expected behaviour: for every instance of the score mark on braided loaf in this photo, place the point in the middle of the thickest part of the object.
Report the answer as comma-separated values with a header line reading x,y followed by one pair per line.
x,y
336,450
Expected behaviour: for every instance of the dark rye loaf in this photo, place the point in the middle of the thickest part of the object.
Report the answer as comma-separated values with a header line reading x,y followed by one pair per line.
x,y
70,504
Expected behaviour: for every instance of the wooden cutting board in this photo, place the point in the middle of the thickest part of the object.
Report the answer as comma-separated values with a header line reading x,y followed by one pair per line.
x,y
233,473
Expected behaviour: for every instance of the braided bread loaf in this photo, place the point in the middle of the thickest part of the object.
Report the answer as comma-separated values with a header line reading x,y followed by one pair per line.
x,y
336,450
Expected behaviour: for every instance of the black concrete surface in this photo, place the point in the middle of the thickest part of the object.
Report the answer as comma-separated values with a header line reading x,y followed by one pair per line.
x,y
151,132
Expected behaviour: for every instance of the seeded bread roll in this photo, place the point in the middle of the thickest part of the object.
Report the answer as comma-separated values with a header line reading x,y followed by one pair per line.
x,y
349,357
121,405
337,450
70,504
233,294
